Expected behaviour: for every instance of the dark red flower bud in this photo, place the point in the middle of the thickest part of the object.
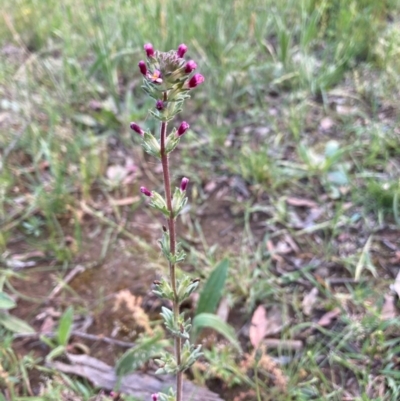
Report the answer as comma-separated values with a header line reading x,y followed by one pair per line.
x,y
148,47
182,49
137,129
159,104
190,66
184,184
196,80
142,67
182,128
154,397
145,191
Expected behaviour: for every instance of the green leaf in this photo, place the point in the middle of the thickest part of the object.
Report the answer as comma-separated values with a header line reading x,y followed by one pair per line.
x,y
65,326
15,325
136,357
212,289
209,320
55,352
85,119
6,302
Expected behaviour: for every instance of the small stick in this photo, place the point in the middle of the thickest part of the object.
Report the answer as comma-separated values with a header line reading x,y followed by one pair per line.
x,y
92,337
75,271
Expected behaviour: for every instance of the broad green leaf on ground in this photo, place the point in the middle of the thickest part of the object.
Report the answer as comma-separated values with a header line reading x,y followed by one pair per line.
x,y
211,321
65,326
6,302
14,324
212,289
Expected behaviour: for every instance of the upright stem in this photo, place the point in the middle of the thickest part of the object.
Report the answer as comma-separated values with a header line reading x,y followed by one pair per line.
x,y
172,246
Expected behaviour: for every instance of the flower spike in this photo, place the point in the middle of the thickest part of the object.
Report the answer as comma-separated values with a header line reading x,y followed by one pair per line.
x,y
168,78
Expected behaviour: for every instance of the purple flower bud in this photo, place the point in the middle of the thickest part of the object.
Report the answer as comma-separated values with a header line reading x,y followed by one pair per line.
x,y
137,129
148,47
145,191
184,184
196,80
190,66
142,67
182,128
154,397
182,49
159,105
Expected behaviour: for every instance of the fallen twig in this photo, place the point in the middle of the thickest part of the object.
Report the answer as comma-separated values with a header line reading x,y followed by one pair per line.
x,y
92,337
76,270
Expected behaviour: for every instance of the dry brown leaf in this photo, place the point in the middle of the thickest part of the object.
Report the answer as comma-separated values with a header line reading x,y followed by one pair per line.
x,y
28,255
326,124
395,287
274,253
345,110
138,384
133,304
265,323
301,202
291,345
292,243
258,326
223,309
116,173
274,320
389,308
125,201
283,248
326,319
309,301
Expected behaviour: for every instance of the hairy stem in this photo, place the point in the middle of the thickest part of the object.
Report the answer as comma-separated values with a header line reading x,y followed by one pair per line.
x,y
172,246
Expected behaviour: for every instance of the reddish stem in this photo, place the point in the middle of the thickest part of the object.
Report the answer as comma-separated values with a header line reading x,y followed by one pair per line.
x,y
172,246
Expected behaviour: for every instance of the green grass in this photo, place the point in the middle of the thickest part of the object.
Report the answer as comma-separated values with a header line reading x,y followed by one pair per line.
x,y
300,101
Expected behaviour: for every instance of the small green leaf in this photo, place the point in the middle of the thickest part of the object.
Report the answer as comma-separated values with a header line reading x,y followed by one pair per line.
x,y
209,320
85,119
65,326
14,324
136,357
212,289
47,341
6,302
55,352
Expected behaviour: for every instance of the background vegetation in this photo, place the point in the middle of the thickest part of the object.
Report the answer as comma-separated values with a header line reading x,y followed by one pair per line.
x,y
294,161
